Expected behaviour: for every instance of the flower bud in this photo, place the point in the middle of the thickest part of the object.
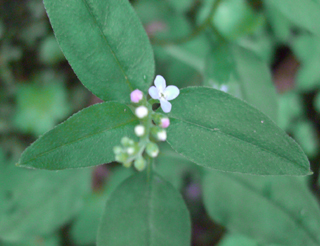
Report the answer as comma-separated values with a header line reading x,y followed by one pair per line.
x,y
127,142
162,135
159,133
141,112
139,130
152,149
164,122
127,164
122,157
117,150
136,96
140,163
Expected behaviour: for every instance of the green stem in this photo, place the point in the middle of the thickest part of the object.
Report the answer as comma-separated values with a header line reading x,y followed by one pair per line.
x,y
192,35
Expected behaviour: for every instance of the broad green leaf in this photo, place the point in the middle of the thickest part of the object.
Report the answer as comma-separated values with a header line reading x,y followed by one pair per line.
x,y
145,210
85,227
216,130
39,202
304,14
271,210
105,44
241,73
85,139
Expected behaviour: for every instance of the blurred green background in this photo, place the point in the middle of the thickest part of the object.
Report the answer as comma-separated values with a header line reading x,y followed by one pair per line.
x,y
261,51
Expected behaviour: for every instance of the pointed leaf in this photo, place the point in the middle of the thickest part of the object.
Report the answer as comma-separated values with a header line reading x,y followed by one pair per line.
x,y
85,139
271,210
219,131
105,44
145,211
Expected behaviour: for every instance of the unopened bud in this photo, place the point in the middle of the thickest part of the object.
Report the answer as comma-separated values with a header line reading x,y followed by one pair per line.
x,y
152,149
140,164
127,142
127,164
117,150
159,133
139,130
164,122
122,157
136,96
141,112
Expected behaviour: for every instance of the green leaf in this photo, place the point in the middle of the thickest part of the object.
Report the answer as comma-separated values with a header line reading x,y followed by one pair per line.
x,y
105,44
85,227
174,167
39,202
304,14
216,130
145,210
273,210
85,139
230,64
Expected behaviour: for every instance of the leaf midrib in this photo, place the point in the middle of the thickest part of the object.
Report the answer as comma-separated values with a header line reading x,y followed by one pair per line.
x,y
87,5
77,140
225,133
276,204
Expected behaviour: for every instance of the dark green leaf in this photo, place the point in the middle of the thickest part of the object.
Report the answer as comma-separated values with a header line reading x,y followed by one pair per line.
x,y
231,64
145,211
216,130
85,139
105,44
272,210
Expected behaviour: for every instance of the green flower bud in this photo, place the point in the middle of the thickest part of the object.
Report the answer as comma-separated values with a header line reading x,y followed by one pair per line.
x,y
152,149
127,164
122,157
117,150
140,164
127,142
159,133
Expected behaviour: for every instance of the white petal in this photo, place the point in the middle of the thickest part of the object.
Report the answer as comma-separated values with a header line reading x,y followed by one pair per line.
x,y
165,105
153,92
160,83
171,92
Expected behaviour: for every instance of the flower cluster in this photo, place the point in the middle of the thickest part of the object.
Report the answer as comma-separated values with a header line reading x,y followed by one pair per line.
x,y
151,128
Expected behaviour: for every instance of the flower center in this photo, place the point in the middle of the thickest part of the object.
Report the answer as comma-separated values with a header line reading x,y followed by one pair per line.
x,y
162,95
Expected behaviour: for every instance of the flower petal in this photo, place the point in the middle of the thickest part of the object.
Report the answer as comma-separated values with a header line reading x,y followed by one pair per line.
x,y
160,83
153,92
171,92
165,105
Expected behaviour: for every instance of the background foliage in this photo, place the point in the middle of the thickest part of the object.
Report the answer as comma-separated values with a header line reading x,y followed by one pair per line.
x,y
264,52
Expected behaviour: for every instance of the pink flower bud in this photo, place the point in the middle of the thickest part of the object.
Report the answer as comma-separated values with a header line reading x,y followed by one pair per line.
x,y
136,96
165,122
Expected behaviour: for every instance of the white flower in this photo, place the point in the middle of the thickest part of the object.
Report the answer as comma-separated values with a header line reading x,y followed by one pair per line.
x,y
139,130
162,135
141,112
163,93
